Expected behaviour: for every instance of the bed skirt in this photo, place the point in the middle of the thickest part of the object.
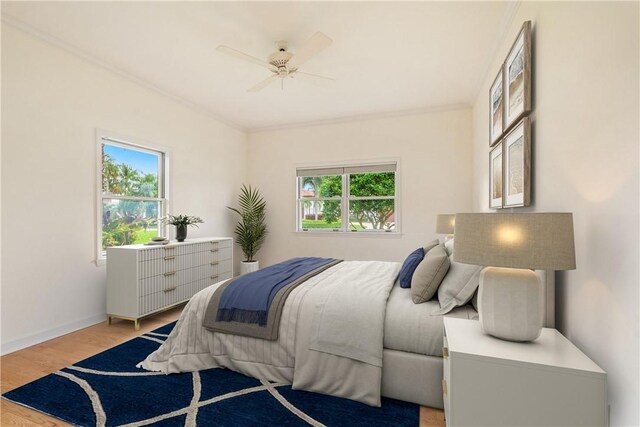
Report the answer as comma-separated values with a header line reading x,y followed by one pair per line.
x,y
413,378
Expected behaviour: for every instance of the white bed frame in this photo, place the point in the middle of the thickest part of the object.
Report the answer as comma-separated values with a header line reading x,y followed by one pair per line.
x,y
418,378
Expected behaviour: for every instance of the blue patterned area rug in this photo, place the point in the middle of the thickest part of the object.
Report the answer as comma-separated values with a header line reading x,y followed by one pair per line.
x,y
108,390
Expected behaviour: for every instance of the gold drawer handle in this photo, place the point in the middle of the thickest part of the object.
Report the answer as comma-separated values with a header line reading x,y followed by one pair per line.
x,y
215,263
214,250
445,352
170,248
167,258
171,273
444,387
170,289
214,242
214,277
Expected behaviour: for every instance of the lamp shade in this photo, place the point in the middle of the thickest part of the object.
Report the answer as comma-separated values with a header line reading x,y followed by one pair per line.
x,y
445,224
541,241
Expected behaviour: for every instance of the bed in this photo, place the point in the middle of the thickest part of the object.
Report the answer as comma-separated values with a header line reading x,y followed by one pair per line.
x,y
390,347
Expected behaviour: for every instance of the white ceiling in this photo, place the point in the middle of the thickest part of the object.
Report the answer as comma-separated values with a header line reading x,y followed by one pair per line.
x,y
386,56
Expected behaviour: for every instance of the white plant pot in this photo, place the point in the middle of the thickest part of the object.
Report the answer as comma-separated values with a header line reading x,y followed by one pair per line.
x,y
248,267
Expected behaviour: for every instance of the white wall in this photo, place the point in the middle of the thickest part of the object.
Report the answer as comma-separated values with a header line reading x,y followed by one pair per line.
x,y
585,161
435,165
52,102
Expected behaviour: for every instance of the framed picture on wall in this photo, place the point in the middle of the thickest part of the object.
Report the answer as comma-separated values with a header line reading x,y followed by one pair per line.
x,y
495,177
517,78
517,165
496,109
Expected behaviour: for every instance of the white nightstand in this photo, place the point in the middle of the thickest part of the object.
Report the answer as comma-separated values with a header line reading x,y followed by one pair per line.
x,y
491,382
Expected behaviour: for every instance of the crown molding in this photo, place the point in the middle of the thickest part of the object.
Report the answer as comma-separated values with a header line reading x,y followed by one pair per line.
x,y
507,19
363,117
59,43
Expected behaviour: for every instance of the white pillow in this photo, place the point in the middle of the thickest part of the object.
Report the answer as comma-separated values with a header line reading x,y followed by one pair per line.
x,y
458,286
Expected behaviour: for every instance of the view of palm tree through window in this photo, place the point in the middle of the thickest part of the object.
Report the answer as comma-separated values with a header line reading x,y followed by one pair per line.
x,y
131,195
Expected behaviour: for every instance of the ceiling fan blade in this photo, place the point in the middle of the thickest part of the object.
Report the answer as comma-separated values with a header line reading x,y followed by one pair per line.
x,y
240,55
266,82
316,43
314,78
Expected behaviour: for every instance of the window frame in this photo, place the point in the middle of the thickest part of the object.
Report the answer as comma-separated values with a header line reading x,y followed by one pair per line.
x,y
346,197
164,187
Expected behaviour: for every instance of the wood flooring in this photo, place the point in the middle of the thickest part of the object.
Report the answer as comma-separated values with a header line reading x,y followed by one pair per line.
x,y
34,362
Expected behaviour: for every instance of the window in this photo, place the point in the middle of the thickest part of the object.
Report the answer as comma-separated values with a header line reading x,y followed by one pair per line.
x,y
132,193
359,198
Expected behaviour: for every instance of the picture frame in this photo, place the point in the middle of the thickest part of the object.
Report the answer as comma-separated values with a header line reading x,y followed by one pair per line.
x,y
516,159
517,78
496,163
496,108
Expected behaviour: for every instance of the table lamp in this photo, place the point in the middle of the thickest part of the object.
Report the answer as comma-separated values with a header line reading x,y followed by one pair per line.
x,y
445,224
510,246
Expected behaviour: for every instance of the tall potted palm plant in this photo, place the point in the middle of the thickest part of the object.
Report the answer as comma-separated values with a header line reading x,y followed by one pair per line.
x,y
251,230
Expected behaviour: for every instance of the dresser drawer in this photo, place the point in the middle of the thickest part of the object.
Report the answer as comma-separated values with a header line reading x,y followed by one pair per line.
x,y
174,278
158,300
158,266
203,258
175,294
170,262
161,282
212,271
157,252
217,273
204,247
179,249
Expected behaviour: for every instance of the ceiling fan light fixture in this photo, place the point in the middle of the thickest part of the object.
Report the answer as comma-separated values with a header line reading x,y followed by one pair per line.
x,y
280,58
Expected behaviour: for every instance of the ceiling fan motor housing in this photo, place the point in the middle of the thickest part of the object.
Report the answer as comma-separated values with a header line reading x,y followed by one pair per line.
x,y
280,58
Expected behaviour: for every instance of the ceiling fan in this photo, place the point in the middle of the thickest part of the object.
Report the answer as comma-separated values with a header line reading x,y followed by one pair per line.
x,y
284,64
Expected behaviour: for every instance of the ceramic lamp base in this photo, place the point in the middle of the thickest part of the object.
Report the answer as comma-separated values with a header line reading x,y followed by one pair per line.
x,y
510,303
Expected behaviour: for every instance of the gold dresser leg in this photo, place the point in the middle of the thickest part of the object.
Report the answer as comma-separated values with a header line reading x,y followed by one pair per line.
x,y
108,320
136,324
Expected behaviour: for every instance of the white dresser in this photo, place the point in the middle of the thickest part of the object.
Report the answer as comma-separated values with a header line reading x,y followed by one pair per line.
x,y
546,382
142,279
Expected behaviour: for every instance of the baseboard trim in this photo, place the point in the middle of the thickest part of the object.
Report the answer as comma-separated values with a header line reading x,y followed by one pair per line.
x,y
28,341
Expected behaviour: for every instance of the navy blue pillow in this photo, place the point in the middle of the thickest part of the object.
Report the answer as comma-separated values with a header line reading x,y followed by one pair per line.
x,y
409,266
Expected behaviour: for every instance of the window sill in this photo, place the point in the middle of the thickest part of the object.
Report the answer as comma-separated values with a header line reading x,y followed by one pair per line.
x,y
365,234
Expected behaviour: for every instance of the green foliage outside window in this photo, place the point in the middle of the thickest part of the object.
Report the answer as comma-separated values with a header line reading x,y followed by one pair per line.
x,y
127,222
377,213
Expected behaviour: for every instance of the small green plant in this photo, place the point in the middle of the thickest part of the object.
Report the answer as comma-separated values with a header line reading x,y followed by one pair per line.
x,y
182,220
251,231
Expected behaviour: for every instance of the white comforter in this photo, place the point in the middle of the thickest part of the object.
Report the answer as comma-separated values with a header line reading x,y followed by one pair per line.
x,y
330,339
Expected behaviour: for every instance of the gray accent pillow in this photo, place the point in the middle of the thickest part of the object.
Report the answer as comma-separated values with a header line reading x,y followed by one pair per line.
x,y
429,275
458,286
432,244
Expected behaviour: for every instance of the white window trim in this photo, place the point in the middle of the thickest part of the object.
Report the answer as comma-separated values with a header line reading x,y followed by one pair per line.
x,y
345,214
164,174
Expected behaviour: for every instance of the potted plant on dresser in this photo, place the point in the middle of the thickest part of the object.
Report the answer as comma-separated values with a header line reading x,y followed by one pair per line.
x,y
251,230
182,222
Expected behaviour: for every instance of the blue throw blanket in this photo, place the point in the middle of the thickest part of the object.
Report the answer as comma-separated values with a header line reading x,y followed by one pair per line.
x,y
256,299
248,298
